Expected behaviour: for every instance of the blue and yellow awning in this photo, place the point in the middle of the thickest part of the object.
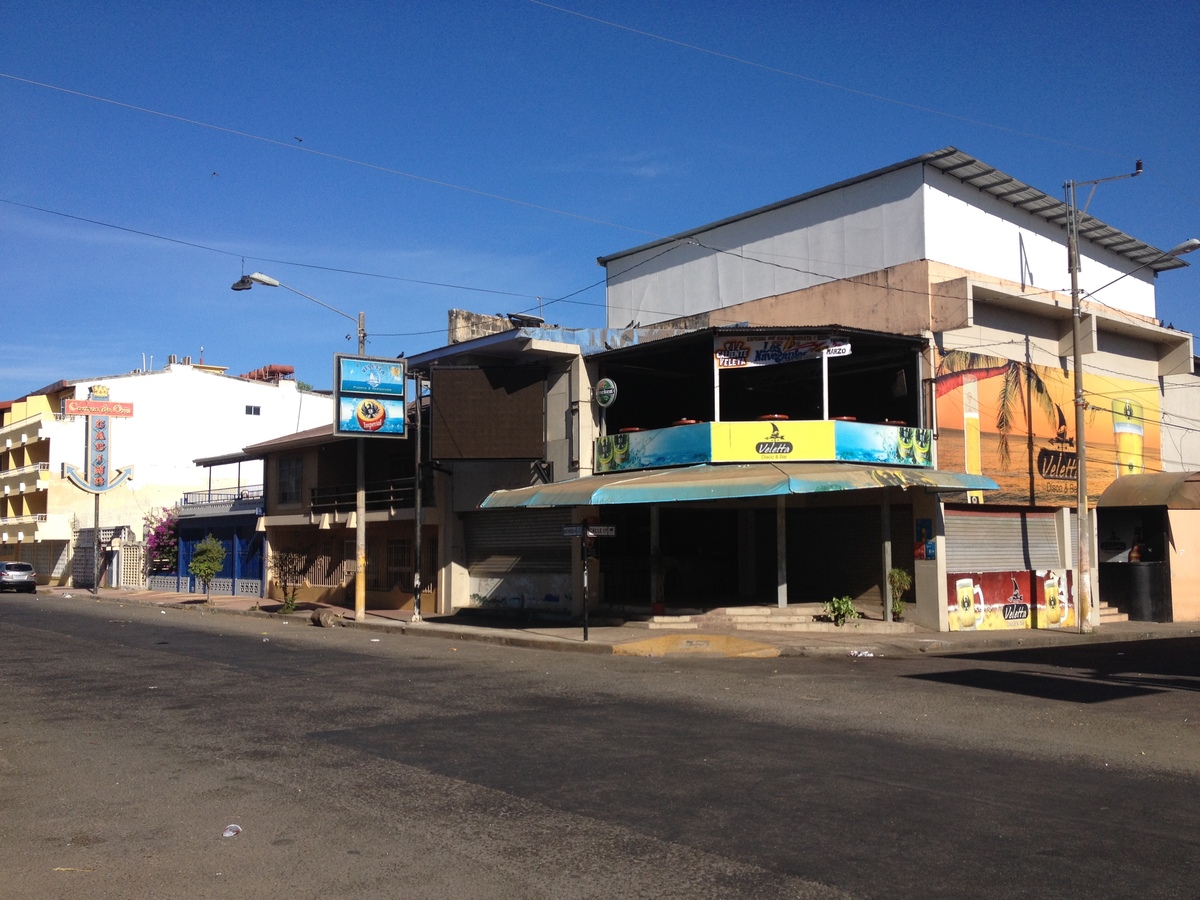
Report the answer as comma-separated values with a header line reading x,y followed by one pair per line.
x,y
731,482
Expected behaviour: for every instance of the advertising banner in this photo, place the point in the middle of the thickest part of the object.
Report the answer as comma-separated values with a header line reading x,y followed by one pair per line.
x,y
747,351
765,441
369,395
1015,422
990,601
678,446
773,441
371,415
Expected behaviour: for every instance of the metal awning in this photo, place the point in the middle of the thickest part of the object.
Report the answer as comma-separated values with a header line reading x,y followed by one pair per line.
x,y
731,482
1174,490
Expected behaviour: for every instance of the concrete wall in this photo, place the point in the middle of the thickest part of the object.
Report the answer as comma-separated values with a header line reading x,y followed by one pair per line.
x,y
1181,423
911,214
1184,525
971,229
894,300
860,228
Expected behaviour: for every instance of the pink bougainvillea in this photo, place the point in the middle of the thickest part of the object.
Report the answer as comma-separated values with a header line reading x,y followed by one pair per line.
x,y
161,528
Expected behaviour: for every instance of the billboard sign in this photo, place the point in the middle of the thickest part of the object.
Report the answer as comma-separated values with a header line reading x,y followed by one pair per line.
x,y
1014,422
369,396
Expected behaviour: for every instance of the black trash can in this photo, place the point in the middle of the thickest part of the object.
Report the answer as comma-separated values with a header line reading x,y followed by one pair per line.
x,y
1149,592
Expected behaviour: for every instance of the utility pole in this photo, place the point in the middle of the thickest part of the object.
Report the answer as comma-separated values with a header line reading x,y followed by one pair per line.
x,y
1083,565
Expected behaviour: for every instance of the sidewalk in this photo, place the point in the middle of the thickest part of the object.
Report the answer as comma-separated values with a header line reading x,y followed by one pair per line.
x,y
607,637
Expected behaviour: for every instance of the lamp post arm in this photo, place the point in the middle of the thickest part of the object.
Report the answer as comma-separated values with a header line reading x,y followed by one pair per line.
x,y
321,303
360,320
248,281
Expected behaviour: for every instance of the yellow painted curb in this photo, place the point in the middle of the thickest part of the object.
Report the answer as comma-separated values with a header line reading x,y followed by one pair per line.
x,y
708,644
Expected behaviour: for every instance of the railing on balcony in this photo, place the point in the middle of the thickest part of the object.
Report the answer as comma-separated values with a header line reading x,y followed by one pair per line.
x,y
247,492
25,470
22,423
31,519
394,493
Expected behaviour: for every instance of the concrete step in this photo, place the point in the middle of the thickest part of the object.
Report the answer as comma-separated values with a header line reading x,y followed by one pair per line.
x,y
797,617
683,623
774,612
757,621
1110,614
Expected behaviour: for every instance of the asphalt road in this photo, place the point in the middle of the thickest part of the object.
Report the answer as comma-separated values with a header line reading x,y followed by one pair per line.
x,y
367,765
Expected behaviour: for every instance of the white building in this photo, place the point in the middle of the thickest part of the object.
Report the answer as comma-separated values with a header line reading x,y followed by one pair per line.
x,y
181,413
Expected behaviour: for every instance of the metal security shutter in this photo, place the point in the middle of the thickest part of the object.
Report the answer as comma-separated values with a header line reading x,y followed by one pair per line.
x,y
1000,541
517,541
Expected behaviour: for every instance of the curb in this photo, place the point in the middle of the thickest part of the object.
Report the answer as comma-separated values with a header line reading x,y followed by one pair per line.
x,y
688,643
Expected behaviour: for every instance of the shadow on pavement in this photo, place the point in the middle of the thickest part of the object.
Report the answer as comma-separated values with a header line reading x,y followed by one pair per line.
x,y
1101,671
1067,688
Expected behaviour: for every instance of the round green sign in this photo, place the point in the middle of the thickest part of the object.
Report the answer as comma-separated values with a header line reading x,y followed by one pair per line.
x,y
606,392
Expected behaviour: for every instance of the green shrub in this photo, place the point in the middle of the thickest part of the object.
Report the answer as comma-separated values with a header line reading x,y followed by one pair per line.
x,y
840,609
899,581
207,561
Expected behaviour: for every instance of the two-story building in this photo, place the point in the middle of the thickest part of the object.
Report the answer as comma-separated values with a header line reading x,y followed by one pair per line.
x,y
949,249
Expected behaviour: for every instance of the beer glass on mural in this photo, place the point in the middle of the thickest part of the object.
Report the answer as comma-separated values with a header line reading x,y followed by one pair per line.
x,y
1055,611
973,451
970,603
1129,434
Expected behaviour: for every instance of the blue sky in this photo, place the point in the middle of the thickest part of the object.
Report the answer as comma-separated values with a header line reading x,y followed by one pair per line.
x,y
406,158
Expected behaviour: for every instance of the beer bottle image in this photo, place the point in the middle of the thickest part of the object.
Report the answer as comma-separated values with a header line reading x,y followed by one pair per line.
x,y
1129,435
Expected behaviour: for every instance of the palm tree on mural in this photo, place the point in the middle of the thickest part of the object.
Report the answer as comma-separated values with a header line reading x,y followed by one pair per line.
x,y
1018,381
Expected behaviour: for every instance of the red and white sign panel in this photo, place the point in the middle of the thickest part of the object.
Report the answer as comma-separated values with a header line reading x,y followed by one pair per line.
x,y
99,408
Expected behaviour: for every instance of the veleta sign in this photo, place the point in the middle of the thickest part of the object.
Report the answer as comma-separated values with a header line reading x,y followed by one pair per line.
x,y
99,408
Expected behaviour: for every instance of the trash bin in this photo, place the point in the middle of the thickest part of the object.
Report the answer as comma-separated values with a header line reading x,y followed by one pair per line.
x,y
1149,592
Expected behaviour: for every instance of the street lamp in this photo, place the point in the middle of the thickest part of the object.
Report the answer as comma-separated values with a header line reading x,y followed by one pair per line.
x,y
248,281
360,488
1083,604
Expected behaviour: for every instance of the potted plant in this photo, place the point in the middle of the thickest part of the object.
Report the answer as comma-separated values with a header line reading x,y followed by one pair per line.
x,y
839,609
899,581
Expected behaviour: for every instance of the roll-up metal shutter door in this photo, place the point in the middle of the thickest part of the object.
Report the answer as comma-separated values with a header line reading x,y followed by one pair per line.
x,y
1000,541
517,541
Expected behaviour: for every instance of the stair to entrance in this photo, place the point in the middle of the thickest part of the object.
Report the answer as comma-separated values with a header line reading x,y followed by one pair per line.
x,y
793,617
1111,614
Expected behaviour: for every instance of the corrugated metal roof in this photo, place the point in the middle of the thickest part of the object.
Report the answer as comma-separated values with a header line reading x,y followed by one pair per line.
x,y
980,175
972,171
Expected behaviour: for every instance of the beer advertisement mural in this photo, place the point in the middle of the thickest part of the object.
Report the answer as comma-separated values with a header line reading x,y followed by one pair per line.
x,y
1015,422
991,601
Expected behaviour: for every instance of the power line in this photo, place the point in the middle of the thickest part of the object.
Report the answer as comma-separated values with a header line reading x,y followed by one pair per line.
x,y
300,148
245,256
821,82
